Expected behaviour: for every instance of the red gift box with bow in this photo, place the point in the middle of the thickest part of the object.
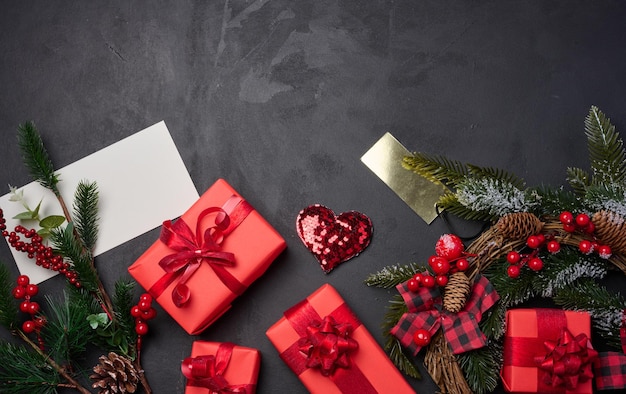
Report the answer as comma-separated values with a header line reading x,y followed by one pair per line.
x,y
326,346
548,351
207,257
216,367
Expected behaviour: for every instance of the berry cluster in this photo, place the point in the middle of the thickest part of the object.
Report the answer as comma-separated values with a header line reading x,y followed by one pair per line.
x,y
449,257
517,260
142,312
44,255
24,290
582,223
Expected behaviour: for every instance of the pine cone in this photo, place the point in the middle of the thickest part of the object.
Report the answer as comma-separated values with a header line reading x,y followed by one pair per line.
x,y
519,225
115,374
611,230
456,292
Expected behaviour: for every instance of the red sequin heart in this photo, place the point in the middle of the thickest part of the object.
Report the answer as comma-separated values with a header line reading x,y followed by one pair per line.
x,y
333,239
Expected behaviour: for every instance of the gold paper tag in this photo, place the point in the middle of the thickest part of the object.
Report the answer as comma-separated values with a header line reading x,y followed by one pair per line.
x,y
384,158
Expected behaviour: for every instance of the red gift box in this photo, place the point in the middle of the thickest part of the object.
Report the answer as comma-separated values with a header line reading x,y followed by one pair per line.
x,y
330,351
225,366
528,332
207,257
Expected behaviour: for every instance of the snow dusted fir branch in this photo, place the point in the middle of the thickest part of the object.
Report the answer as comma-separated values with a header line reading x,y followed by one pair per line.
x,y
583,268
392,275
495,196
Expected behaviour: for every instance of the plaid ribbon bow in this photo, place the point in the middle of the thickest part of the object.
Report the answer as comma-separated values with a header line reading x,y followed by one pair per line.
x,y
426,312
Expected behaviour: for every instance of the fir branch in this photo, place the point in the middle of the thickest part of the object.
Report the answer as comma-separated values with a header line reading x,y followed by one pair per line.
x,y
611,198
481,368
25,372
494,196
496,174
578,179
437,169
566,267
86,213
69,246
36,157
492,323
122,303
511,291
555,201
606,308
67,331
450,203
395,310
393,275
8,307
606,149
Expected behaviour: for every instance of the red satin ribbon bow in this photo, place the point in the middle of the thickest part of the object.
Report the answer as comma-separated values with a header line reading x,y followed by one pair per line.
x,y
327,345
208,371
191,249
569,360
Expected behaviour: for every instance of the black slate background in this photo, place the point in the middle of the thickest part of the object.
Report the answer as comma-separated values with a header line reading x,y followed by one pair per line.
x,y
282,98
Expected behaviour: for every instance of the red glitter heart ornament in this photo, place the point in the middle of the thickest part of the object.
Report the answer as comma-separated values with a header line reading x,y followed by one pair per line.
x,y
333,239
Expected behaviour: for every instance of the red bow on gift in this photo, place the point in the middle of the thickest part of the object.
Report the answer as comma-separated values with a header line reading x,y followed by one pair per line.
x,y
208,371
426,312
569,360
191,249
327,345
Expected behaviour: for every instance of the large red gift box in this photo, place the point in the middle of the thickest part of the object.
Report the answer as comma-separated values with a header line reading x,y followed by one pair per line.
x,y
527,332
221,365
201,272
351,362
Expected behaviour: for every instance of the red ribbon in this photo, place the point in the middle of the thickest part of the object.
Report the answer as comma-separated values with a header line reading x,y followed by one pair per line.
x,y
327,345
191,249
569,360
303,318
208,372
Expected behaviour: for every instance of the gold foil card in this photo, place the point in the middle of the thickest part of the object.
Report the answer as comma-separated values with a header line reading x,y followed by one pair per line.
x,y
384,158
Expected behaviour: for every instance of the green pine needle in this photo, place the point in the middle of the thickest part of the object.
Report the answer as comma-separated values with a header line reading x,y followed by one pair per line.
x,y
86,213
436,169
555,201
123,302
36,157
391,276
496,174
69,246
8,307
481,368
578,179
606,149
25,372
450,203
395,310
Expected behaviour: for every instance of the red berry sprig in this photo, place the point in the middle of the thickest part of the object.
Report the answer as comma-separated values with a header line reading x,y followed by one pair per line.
x,y
35,249
582,223
142,312
25,290
535,242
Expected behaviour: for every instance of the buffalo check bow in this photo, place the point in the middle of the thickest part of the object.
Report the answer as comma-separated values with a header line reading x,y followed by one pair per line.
x,y
425,311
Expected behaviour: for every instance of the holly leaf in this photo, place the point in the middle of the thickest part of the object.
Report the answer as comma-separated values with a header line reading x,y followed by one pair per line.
x,y
98,320
52,221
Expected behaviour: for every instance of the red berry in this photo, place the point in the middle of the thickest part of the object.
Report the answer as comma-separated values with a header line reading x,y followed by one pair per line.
x,y
32,289
590,228
421,337
569,227
29,326
513,257
33,308
582,220
40,321
418,277
534,241
413,285
143,305
566,217
441,266
513,271
553,246
24,306
23,280
149,314
449,246
462,264
441,280
146,298
135,311
431,260
585,246
605,251
428,281
141,328
535,264
19,292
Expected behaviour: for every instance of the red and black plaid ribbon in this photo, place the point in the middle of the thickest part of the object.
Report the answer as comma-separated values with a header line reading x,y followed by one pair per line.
x,y
610,371
426,312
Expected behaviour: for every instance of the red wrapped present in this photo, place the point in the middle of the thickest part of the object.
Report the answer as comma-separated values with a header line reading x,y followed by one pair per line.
x,y
207,257
221,368
548,351
327,347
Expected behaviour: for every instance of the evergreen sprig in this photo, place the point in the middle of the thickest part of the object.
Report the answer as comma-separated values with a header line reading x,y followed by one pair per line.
x,y
71,247
449,202
86,213
495,196
578,179
36,157
391,276
8,308
496,174
25,372
395,310
435,168
555,201
125,323
606,149
481,367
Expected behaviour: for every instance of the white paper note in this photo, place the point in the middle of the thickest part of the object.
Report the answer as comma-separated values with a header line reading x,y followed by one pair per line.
x,y
141,180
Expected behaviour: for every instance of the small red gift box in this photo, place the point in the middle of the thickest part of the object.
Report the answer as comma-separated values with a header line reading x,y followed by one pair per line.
x,y
330,351
207,257
530,333
215,366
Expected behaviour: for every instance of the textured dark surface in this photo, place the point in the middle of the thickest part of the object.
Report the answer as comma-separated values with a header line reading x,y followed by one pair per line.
x,y
282,98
